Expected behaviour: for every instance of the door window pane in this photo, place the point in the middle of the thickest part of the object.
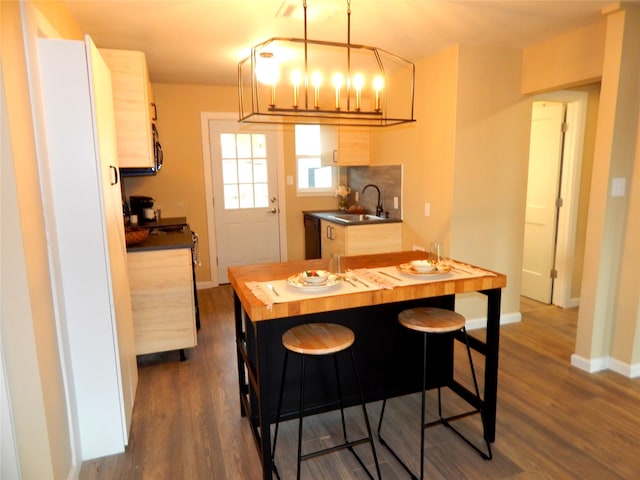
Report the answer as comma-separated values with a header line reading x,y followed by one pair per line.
x,y
244,170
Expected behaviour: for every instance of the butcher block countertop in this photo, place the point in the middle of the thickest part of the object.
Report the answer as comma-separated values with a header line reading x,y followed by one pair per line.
x,y
257,310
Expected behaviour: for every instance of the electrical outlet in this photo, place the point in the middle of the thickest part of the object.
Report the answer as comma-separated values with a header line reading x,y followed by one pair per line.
x,y
418,248
395,202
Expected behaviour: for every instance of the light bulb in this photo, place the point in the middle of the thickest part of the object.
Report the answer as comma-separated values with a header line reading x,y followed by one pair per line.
x,y
338,81
296,78
358,83
378,84
316,81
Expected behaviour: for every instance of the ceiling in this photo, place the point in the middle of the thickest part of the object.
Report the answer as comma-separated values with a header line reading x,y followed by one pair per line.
x,y
202,41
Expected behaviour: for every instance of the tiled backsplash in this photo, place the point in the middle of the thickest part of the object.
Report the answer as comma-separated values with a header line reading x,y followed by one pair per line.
x,y
387,178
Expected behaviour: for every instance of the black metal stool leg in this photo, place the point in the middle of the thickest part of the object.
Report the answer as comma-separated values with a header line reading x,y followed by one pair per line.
x,y
344,427
279,412
489,456
366,420
423,409
301,412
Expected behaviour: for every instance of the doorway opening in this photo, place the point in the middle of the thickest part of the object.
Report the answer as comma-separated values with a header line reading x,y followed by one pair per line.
x,y
550,231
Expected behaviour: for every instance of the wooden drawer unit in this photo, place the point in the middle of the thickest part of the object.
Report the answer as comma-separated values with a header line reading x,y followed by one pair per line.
x,y
162,300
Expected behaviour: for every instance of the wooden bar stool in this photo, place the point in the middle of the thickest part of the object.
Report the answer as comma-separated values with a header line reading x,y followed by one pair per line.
x,y
322,339
434,321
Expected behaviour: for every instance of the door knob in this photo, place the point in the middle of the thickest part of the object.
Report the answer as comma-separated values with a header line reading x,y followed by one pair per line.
x,y
273,210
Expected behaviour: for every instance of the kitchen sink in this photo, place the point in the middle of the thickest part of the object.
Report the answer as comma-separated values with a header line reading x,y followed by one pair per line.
x,y
354,218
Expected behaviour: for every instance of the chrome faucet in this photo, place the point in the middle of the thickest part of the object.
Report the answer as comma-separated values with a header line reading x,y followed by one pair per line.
x,y
379,204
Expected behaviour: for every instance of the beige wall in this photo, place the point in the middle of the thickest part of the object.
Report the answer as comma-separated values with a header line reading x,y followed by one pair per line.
x,y
490,170
574,58
29,339
425,149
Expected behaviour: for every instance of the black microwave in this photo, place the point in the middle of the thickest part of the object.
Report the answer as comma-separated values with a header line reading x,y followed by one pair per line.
x,y
157,159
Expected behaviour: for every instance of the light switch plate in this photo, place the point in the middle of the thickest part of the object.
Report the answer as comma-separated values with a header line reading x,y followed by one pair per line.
x,y
618,186
427,209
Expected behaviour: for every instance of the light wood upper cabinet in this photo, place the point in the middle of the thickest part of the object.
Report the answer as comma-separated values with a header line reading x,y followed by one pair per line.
x,y
344,146
360,239
134,107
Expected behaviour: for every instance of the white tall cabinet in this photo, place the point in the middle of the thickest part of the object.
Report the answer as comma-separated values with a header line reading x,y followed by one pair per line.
x,y
86,231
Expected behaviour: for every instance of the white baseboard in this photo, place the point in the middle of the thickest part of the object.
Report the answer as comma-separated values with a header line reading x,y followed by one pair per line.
x,y
605,363
203,285
573,302
590,365
481,322
626,369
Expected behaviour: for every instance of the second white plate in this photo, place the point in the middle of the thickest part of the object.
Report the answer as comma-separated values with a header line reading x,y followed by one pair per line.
x,y
297,282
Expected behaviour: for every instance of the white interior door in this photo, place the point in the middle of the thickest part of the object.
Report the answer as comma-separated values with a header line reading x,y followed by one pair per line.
x,y
545,160
246,209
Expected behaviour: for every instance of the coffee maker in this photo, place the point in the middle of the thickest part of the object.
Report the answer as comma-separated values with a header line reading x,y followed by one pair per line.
x,y
143,208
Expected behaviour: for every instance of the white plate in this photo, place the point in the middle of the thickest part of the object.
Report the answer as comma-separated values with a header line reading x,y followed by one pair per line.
x,y
408,269
297,282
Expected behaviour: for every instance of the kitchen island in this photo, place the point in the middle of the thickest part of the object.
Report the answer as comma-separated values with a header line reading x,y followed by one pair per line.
x,y
372,314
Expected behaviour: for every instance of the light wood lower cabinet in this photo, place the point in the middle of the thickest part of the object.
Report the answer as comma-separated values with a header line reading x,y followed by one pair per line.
x,y
162,300
360,239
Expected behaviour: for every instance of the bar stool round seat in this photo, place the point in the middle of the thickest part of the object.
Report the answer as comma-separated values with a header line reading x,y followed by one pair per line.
x,y
437,321
431,320
318,338
314,340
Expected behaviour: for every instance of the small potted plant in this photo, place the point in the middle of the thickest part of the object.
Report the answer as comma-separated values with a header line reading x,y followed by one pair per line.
x,y
342,193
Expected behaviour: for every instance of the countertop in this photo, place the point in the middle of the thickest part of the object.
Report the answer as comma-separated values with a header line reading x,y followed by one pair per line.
x,y
328,216
257,310
161,239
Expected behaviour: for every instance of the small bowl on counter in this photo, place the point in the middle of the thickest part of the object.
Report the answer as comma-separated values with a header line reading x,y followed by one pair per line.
x,y
423,266
314,277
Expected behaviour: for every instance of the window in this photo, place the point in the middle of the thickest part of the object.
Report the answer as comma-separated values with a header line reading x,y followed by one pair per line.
x,y
313,177
244,170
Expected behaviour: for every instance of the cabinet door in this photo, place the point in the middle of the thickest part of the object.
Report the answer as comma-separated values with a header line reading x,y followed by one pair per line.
x,y
333,239
90,278
162,300
112,207
345,146
132,99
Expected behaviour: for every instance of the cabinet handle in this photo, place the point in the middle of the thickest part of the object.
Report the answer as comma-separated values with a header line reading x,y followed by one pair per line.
x,y
155,112
334,156
115,175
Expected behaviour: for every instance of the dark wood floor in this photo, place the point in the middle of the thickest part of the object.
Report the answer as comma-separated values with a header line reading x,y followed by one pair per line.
x,y
554,421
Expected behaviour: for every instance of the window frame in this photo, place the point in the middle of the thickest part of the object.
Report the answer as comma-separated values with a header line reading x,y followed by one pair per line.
x,y
313,191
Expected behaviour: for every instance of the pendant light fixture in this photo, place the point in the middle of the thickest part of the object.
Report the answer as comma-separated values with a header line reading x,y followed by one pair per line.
x,y
305,81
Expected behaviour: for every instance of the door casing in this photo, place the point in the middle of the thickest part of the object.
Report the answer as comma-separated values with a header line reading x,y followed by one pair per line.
x,y
208,180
